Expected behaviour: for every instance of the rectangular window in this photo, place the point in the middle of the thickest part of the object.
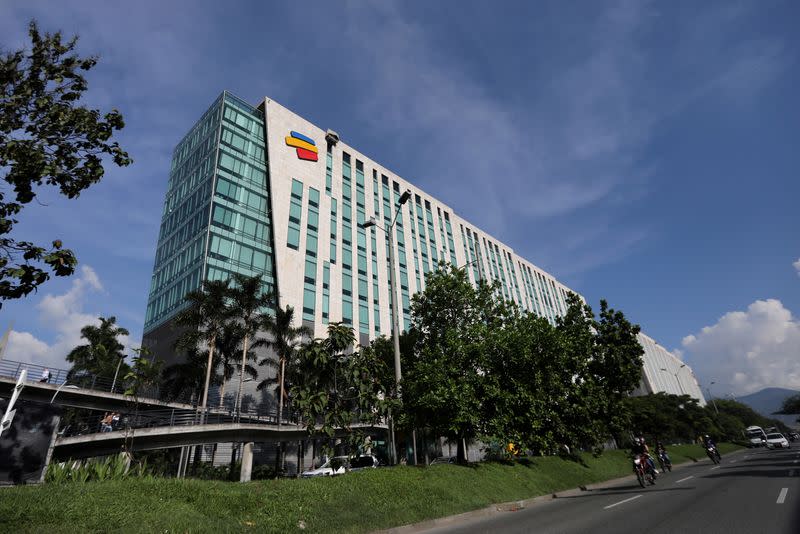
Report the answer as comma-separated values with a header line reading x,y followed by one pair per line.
x,y
310,278
295,209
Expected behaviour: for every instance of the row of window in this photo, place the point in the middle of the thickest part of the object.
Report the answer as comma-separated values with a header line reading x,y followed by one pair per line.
x,y
495,260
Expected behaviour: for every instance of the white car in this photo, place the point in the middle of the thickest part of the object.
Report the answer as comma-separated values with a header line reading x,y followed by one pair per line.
x,y
339,465
777,441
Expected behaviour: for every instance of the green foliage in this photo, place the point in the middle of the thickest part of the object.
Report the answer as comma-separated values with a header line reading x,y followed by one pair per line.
x,y
144,375
791,405
185,380
250,304
444,380
46,139
671,418
102,355
483,368
333,388
745,415
96,470
263,472
206,317
368,501
283,339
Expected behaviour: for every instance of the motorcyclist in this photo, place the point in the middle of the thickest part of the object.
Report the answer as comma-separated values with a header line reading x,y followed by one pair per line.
x,y
708,443
661,451
640,448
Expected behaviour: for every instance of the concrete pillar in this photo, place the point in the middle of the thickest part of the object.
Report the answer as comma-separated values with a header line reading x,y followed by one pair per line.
x,y
247,462
49,455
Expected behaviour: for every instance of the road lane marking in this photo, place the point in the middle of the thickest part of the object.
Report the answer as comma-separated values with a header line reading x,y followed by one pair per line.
x,y
621,502
687,478
732,461
712,469
781,496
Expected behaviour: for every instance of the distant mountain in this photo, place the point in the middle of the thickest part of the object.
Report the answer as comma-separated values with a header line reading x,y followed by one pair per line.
x,y
770,400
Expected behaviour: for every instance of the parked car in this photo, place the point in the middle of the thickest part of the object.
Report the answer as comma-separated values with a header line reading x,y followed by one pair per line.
x,y
777,441
339,465
444,460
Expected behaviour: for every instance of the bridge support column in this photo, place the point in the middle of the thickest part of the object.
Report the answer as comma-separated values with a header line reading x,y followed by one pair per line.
x,y
247,462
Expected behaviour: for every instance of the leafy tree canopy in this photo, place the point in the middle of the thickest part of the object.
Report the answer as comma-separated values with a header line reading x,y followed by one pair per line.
x,y
46,139
791,405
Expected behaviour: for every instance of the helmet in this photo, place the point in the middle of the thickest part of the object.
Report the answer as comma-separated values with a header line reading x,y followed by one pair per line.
x,y
638,441
706,436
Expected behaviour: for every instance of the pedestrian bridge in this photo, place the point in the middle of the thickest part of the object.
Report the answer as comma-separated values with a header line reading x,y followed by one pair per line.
x,y
163,437
94,393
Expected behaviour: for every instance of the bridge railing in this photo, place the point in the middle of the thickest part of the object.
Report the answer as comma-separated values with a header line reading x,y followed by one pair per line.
x,y
86,380
113,421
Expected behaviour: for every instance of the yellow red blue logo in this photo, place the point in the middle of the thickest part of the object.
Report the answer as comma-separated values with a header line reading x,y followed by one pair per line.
x,y
306,147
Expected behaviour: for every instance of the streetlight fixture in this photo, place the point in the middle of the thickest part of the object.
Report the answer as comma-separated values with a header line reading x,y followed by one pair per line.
x,y
389,231
675,374
708,390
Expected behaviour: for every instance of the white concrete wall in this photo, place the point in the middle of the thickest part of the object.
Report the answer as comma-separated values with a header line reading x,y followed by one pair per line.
x,y
285,165
663,371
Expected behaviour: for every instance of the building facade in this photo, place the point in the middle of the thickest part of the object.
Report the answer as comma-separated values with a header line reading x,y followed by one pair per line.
x,y
664,372
260,190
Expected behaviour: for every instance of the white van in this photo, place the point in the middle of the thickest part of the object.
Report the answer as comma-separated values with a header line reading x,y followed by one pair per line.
x,y
756,437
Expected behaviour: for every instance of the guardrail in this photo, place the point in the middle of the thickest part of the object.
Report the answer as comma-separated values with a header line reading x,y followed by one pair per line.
x,y
86,380
113,421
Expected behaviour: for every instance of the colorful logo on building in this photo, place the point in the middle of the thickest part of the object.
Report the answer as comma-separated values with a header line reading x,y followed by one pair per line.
x,y
306,147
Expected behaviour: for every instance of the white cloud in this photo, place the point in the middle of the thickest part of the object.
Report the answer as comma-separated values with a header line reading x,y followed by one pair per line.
x,y
63,316
746,351
796,265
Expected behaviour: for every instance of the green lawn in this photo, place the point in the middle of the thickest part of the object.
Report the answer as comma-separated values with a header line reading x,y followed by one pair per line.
x,y
356,502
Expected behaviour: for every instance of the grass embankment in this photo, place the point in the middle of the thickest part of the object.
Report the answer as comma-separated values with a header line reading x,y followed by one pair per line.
x,y
357,502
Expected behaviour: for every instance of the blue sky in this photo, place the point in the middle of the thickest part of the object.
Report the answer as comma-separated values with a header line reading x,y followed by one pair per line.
x,y
641,152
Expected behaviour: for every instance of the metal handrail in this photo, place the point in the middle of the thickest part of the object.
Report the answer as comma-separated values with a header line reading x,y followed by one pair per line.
x,y
92,424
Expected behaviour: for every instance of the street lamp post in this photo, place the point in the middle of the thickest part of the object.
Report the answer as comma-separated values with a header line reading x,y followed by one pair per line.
x,y
708,390
395,317
675,374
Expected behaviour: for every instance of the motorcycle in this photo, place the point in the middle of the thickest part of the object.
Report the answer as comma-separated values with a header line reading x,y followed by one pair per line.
x,y
644,472
664,461
713,454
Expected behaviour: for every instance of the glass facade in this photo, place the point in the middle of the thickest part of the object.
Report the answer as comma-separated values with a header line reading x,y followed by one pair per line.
x,y
217,221
216,218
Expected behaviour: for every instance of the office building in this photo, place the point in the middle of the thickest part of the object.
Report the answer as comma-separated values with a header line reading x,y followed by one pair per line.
x,y
261,190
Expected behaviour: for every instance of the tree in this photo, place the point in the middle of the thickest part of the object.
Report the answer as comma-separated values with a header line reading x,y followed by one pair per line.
x,y
527,385
46,138
249,305
185,380
102,355
141,380
228,347
444,383
283,338
791,406
615,366
205,319
333,387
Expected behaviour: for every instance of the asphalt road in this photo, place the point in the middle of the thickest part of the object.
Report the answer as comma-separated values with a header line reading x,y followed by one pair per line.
x,y
751,492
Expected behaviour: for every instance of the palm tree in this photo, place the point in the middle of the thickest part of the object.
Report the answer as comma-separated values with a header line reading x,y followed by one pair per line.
x,y
228,348
206,317
250,305
284,340
185,380
101,356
